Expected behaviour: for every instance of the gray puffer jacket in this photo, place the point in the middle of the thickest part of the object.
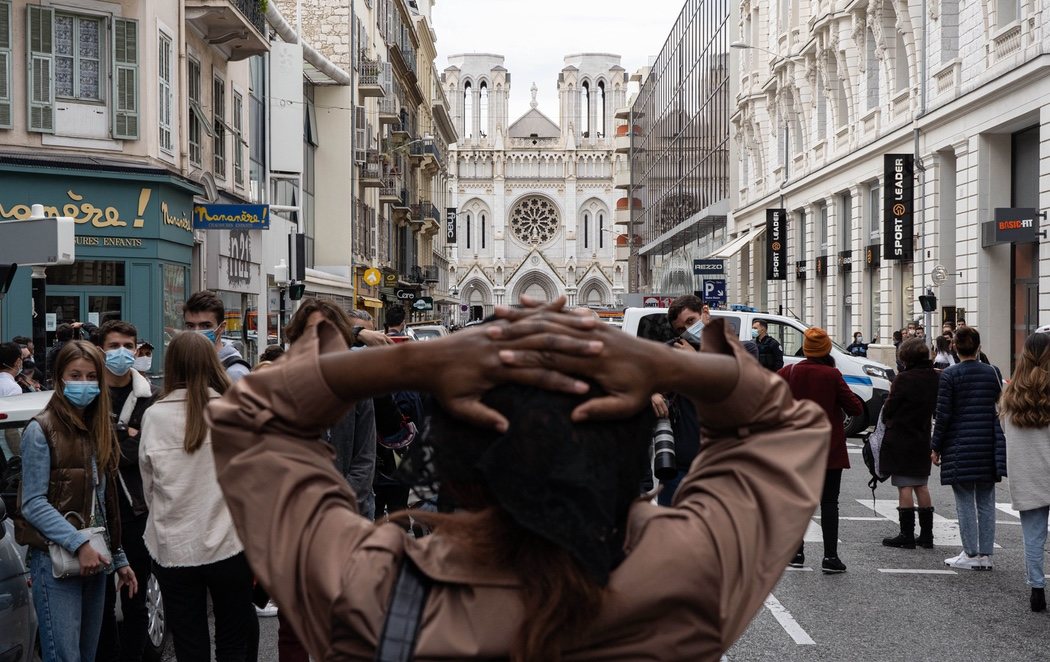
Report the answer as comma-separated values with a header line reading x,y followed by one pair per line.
x,y
967,432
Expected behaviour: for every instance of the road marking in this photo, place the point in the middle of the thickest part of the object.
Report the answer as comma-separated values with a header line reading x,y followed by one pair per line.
x,y
813,533
788,622
916,571
1008,509
790,569
945,531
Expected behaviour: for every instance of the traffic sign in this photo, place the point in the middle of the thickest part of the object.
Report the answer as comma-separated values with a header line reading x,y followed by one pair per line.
x,y
373,277
715,290
709,267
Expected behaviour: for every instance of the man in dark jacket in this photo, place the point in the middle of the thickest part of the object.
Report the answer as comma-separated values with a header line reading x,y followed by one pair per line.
x,y
770,353
969,444
129,394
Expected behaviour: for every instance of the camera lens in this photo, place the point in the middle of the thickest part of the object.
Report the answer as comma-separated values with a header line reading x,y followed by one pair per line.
x,y
664,464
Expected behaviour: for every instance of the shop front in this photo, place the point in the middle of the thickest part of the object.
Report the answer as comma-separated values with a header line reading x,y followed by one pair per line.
x,y
134,247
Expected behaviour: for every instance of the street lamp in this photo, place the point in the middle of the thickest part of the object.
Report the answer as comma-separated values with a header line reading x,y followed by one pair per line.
x,y
745,46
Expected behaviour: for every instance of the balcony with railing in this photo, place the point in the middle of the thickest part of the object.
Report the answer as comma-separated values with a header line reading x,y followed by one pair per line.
x,y
236,25
427,151
372,169
376,78
391,186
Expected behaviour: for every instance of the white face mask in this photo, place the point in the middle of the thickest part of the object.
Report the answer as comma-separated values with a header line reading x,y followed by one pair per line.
x,y
143,363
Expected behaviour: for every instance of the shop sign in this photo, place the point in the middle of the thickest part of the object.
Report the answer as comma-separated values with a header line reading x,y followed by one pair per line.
x,y
1012,225
450,225
821,265
776,244
800,270
107,213
405,295
872,255
423,304
234,261
899,199
231,217
846,260
709,267
390,280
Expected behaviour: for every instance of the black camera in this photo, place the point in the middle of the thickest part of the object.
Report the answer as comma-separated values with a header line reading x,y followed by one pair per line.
x,y
665,467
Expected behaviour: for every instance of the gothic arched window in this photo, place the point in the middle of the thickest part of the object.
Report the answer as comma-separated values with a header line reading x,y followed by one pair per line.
x,y
534,220
601,109
585,109
483,107
586,230
468,110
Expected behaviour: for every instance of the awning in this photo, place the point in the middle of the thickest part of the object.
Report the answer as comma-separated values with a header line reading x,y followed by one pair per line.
x,y
369,302
732,248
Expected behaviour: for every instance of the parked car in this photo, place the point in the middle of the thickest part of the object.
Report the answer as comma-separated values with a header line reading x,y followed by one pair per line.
x,y
869,379
15,413
429,331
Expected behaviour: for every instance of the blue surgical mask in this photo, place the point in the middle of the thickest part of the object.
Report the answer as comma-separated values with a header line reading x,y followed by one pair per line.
x,y
754,334
208,333
119,361
81,394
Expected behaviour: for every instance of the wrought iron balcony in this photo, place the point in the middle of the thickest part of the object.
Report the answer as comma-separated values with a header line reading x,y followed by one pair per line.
x,y
238,25
431,273
376,78
425,211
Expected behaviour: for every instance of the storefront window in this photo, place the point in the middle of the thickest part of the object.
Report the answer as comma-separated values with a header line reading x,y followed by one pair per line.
x,y
174,295
87,274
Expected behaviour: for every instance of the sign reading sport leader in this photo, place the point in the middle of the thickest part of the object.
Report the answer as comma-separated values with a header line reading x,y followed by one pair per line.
x,y
776,244
899,207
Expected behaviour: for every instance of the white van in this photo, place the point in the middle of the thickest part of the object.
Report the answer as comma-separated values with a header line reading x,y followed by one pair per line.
x,y
870,380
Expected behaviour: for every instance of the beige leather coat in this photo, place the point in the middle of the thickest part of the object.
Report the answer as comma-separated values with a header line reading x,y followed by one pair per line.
x,y
694,575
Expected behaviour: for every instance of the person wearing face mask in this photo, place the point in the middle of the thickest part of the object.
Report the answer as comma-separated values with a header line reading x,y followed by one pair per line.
x,y
26,378
10,367
858,347
69,482
143,358
205,313
770,353
130,394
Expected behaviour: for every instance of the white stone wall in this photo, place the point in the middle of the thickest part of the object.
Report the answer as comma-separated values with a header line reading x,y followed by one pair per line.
x,y
984,80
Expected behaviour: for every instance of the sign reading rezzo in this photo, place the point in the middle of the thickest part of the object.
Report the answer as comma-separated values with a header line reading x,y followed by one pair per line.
x,y
898,221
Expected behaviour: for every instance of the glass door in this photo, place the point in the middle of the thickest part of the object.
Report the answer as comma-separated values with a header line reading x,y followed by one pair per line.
x,y
62,308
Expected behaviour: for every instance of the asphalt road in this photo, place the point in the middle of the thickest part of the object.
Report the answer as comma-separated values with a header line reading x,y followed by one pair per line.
x,y
878,610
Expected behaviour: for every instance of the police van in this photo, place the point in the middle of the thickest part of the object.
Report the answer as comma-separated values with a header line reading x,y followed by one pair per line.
x,y
868,379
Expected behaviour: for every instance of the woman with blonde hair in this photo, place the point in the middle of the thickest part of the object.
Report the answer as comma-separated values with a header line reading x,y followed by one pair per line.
x,y
69,468
189,533
1024,408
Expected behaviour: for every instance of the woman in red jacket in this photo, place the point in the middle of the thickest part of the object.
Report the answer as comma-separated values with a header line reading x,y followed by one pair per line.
x,y
818,379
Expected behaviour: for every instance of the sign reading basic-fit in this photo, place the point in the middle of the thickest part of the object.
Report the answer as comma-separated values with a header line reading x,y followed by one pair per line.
x,y
1012,225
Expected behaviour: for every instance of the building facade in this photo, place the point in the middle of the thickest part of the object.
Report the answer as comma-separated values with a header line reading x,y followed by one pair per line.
x,y
123,115
681,153
534,198
830,89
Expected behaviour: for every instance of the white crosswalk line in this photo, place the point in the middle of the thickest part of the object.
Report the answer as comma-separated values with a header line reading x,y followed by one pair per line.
x,y
945,531
788,622
915,571
813,533
1008,509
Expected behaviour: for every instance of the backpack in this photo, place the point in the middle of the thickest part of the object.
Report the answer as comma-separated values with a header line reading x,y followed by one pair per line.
x,y
410,407
871,452
233,360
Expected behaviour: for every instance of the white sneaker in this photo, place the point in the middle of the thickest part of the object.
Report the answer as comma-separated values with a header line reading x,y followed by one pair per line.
x,y
269,611
986,562
964,562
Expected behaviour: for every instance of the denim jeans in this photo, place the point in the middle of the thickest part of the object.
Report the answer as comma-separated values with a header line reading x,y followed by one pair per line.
x,y
69,611
1033,527
975,507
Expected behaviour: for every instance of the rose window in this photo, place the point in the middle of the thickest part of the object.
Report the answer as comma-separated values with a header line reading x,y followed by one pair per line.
x,y
534,221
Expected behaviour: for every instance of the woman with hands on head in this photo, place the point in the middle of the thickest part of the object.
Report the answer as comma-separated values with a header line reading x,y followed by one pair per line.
x,y
536,427
69,469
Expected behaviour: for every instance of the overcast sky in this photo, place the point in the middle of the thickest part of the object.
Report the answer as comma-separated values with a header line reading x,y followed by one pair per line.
x,y
536,35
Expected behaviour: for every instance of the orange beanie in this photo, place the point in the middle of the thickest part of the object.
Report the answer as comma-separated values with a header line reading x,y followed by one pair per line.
x,y
817,343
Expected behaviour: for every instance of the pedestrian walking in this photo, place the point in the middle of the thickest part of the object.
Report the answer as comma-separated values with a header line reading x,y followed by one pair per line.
x,y
69,483
539,563
908,417
189,533
1025,411
130,394
770,353
944,357
969,446
817,379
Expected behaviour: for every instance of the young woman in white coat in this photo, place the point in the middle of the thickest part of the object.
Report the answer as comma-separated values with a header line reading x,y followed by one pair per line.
x,y
1025,411
190,534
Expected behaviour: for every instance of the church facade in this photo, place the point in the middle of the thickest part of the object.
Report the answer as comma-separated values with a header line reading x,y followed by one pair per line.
x,y
535,198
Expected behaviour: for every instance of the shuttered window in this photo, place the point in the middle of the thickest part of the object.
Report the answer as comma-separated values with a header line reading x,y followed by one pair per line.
x,y
197,120
238,138
164,90
125,79
40,27
5,64
218,100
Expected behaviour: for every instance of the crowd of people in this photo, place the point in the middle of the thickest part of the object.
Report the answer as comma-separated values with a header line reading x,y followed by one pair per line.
x,y
208,486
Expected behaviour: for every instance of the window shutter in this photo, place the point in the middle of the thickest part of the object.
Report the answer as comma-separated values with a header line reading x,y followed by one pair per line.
x,y
360,135
41,60
5,64
125,79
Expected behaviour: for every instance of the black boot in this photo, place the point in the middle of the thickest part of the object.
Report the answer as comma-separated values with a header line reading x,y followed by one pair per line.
x,y
906,538
1038,599
925,538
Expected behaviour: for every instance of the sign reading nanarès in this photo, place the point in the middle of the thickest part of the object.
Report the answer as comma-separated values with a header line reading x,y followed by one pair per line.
x,y
899,208
776,244
450,225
